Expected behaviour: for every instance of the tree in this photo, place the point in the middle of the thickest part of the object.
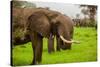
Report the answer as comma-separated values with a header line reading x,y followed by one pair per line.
x,y
23,4
91,11
77,23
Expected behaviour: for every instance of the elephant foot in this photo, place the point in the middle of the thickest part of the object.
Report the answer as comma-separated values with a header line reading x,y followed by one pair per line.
x,y
69,48
34,63
51,51
58,49
39,63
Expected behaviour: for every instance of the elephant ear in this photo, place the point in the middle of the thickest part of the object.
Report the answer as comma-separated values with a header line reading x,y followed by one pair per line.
x,y
39,23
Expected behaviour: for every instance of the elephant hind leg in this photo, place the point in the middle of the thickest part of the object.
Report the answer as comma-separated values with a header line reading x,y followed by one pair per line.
x,y
33,37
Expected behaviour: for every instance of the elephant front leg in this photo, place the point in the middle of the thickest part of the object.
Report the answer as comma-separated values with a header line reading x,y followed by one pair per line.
x,y
51,44
33,37
59,43
39,48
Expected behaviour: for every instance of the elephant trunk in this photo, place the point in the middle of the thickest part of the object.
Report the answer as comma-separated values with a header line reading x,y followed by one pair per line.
x,y
68,41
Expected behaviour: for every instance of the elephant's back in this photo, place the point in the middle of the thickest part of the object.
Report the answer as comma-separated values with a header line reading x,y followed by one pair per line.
x,y
39,23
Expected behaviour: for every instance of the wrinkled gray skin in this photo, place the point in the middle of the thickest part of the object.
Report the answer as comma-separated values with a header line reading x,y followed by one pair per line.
x,y
40,25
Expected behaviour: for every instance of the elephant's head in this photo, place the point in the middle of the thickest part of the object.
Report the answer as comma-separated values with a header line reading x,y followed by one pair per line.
x,y
64,30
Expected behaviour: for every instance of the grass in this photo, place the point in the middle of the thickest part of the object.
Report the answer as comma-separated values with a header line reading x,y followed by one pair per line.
x,y
86,51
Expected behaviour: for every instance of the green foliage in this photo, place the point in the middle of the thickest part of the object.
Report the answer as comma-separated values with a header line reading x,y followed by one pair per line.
x,y
19,17
21,4
86,51
90,11
18,33
84,22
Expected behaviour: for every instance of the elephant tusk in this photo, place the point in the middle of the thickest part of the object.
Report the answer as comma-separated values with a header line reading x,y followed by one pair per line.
x,y
77,42
67,41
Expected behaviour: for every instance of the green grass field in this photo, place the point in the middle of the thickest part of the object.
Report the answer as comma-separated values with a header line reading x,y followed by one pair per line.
x,y
86,51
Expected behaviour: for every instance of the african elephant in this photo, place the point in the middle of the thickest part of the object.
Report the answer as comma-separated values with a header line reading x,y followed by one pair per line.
x,y
41,24
38,27
19,19
61,25
19,22
63,29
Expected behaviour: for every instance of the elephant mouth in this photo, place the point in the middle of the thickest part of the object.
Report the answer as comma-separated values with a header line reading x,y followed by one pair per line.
x,y
68,41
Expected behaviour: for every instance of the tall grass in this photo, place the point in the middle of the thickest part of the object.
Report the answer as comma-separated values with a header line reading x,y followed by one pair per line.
x,y
86,51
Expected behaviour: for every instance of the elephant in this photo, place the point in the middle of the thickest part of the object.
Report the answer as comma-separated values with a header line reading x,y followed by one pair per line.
x,y
42,24
19,18
37,29
63,26
66,25
52,16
